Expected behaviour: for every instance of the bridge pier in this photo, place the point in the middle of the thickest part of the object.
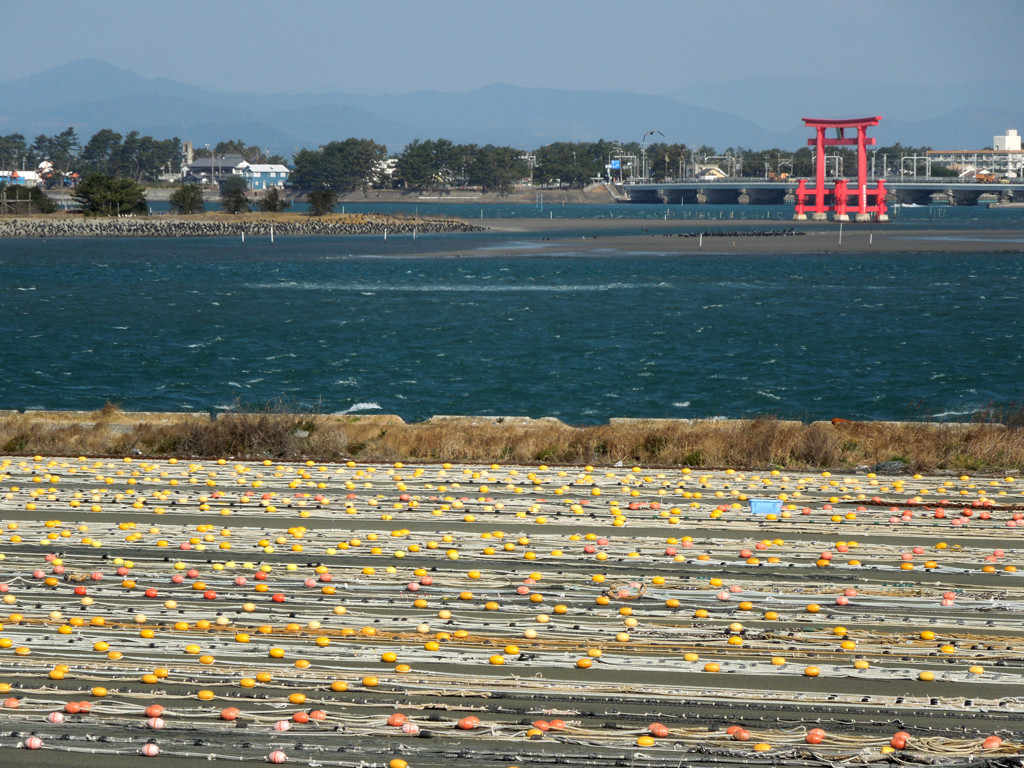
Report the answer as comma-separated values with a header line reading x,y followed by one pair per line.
x,y
644,196
749,191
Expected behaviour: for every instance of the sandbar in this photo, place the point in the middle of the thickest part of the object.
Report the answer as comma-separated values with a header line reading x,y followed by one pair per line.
x,y
660,236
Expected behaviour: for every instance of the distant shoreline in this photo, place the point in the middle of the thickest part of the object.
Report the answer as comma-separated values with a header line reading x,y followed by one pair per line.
x,y
597,195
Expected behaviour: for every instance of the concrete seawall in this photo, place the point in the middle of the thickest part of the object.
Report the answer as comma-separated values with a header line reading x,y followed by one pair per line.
x,y
165,418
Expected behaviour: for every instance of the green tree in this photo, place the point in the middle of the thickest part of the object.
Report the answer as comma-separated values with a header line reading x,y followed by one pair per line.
x,y
322,201
497,168
233,198
100,195
142,158
571,163
428,164
273,201
341,165
187,198
60,149
12,151
802,162
99,152
251,152
416,167
15,198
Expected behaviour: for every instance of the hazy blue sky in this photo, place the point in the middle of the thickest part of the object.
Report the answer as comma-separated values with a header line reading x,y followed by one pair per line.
x,y
398,46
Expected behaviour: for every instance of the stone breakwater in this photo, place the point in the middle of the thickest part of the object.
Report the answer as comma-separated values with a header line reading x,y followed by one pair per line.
x,y
176,227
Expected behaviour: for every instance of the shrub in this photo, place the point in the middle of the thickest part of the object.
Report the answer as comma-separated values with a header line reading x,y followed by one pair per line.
x,y
188,198
322,202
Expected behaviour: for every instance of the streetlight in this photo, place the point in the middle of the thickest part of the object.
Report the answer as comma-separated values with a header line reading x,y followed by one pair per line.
x,y
617,151
643,152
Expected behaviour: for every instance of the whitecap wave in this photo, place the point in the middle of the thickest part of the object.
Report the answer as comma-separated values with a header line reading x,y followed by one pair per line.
x,y
953,414
371,290
355,407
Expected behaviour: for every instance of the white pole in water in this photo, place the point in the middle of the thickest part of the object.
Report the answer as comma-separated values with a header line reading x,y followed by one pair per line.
x,y
414,233
871,238
243,238
271,234
385,233
840,233
551,214
700,243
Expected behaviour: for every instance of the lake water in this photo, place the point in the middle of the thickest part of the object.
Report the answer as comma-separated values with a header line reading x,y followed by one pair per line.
x,y
360,325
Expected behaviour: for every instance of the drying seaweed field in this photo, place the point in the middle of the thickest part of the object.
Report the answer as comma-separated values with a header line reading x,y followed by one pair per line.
x,y
344,614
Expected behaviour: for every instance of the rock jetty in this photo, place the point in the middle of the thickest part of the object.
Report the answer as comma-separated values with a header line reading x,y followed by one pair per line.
x,y
161,226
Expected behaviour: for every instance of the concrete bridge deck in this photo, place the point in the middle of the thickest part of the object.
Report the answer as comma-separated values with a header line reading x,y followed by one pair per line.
x,y
729,191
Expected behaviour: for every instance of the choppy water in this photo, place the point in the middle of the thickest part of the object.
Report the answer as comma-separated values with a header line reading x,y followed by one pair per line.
x,y
362,325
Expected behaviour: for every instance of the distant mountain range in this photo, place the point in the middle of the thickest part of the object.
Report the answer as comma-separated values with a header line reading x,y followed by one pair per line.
x,y
91,94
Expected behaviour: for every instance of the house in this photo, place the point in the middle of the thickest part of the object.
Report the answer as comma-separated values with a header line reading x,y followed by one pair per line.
x,y
265,176
212,170
710,173
20,178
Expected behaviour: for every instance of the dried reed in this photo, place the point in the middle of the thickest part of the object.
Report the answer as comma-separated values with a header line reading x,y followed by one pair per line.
x,y
277,433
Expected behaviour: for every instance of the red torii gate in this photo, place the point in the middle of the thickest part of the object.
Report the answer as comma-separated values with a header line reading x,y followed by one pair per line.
x,y
841,191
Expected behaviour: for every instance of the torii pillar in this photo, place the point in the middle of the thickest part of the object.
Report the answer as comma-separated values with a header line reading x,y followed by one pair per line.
x,y
841,191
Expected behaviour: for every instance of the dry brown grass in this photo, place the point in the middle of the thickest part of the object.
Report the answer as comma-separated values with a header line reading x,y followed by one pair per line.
x,y
272,433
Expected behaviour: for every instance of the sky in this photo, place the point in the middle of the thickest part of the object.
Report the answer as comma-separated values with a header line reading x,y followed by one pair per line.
x,y
402,46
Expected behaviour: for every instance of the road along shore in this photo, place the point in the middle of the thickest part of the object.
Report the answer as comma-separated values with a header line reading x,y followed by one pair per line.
x,y
399,614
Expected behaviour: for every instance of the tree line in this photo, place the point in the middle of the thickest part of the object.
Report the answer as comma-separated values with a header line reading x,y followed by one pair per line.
x,y
129,156
431,164
344,166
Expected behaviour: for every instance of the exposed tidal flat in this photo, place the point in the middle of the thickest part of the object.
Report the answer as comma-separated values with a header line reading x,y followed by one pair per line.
x,y
629,236
347,614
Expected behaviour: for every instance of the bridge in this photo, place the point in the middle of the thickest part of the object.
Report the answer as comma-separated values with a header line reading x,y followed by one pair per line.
x,y
919,190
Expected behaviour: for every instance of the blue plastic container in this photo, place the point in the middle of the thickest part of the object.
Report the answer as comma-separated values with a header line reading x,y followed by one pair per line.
x,y
765,506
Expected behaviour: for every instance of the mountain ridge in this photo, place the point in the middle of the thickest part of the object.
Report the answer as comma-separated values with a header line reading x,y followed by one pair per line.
x,y
758,113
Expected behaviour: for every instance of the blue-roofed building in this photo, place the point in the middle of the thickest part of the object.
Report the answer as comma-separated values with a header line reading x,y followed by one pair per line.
x,y
19,178
265,176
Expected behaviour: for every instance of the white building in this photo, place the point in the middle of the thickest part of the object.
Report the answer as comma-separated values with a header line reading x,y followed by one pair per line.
x,y
1008,143
1004,160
